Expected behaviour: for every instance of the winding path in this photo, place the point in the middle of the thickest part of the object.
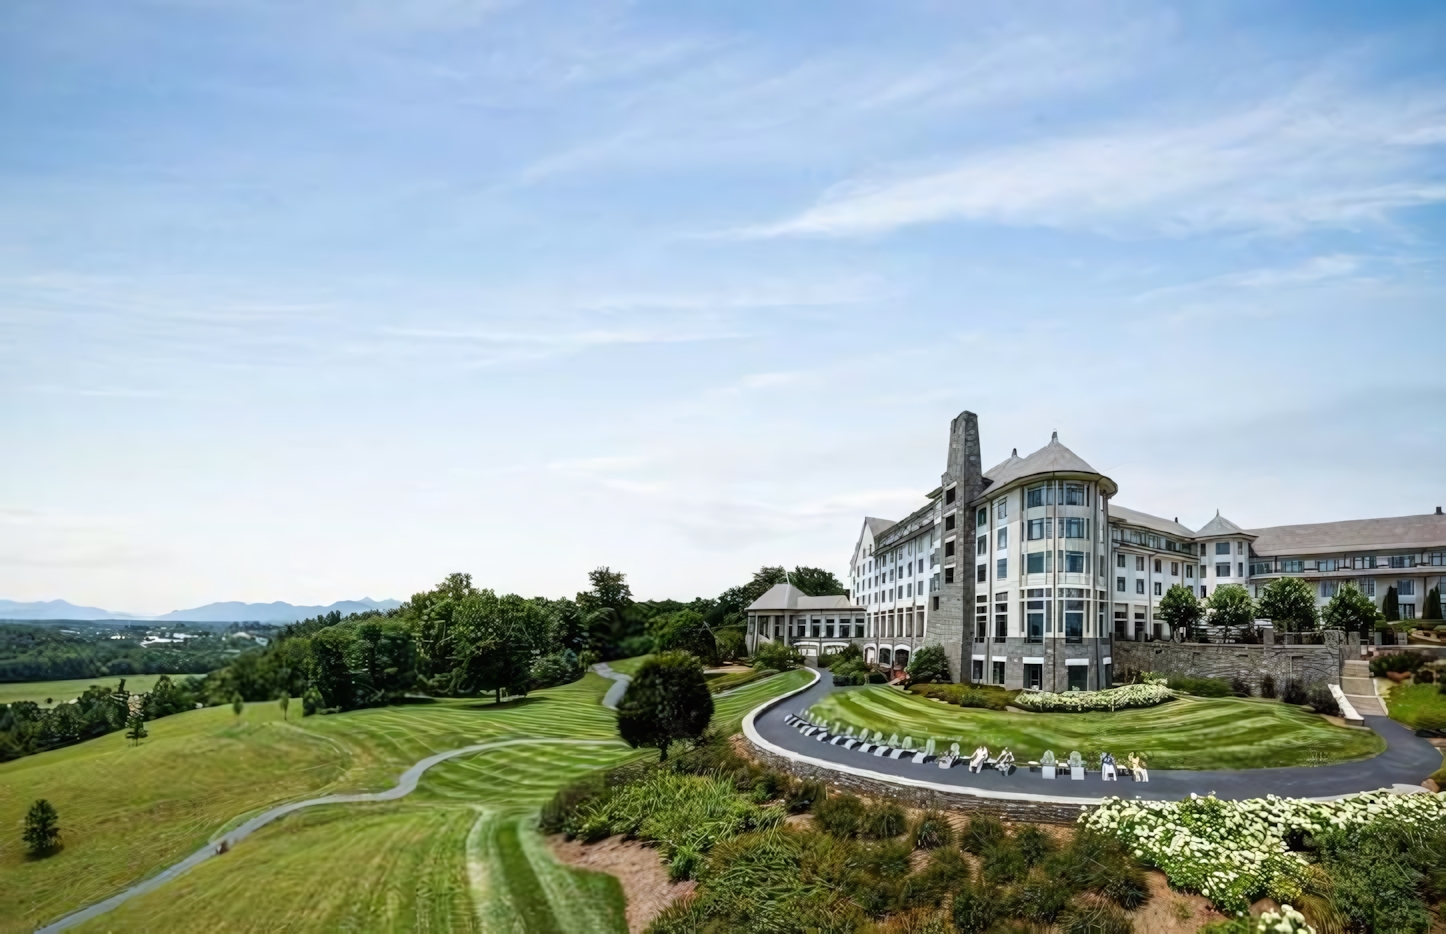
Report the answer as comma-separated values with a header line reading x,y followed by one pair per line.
x,y
404,786
1407,760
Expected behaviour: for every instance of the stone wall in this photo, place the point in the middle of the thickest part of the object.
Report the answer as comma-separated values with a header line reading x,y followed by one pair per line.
x,y
1248,662
1046,812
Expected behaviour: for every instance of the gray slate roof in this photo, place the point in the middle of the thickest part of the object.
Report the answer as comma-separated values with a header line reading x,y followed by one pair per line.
x,y
1219,526
1403,533
789,597
1147,521
1053,456
878,526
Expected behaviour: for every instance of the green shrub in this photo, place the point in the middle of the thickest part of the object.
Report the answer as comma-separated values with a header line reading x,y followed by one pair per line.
x,y
945,872
977,907
932,831
1424,676
878,677
883,821
1293,692
1034,843
1267,686
1088,916
1400,661
1200,687
848,653
1319,696
777,656
839,815
1002,862
967,695
804,796
982,832
1042,899
929,664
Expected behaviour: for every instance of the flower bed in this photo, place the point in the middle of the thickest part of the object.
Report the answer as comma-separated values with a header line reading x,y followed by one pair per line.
x,y
1134,695
1234,852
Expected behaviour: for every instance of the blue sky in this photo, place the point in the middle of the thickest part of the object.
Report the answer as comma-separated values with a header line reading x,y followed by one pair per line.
x,y
310,302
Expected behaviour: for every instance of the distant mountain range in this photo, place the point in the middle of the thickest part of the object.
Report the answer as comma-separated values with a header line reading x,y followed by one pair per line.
x,y
231,611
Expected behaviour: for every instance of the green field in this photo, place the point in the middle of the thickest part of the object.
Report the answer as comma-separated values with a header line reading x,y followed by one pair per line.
x,y
1417,705
1187,733
628,666
60,691
127,812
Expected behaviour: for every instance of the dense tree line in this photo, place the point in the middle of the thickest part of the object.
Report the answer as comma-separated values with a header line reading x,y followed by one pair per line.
x,y
45,653
26,727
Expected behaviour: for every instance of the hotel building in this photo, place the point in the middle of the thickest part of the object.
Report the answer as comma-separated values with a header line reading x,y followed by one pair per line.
x,y
1027,572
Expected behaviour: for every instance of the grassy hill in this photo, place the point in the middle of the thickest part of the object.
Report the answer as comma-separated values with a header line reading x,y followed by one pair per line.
x,y
61,691
419,863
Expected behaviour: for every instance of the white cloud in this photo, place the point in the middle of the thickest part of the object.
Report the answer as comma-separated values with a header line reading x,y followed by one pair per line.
x,y
1314,270
1304,160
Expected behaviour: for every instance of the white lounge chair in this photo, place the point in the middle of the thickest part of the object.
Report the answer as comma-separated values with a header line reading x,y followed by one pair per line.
x,y
1076,766
1005,762
979,759
1047,766
1107,768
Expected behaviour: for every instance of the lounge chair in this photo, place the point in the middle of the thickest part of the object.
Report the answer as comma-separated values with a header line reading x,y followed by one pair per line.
x,y
1005,762
1137,766
1047,766
979,759
882,750
1107,768
1076,766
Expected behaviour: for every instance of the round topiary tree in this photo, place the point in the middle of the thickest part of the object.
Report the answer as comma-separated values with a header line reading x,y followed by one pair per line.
x,y
930,666
1289,604
1350,610
668,700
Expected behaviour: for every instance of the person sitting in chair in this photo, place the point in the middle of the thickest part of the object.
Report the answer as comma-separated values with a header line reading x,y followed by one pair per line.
x,y
1005,762
1107,768
979,759
1137,766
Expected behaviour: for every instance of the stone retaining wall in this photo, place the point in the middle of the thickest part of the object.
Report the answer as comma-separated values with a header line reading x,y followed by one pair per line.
x,y
1043,812
1250,663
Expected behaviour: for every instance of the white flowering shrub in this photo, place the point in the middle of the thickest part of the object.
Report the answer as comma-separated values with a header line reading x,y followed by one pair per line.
x,y
1133,695
1285,921
1234,852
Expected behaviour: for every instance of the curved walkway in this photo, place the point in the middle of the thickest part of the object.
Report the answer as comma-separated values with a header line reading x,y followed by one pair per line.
x,y
1406,761
404,786
617,689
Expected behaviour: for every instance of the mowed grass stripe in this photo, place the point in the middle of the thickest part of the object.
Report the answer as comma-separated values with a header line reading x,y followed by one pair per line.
x,y
729,711
1187,733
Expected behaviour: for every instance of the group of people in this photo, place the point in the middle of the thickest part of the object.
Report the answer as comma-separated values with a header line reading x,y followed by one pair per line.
x,y
1004,762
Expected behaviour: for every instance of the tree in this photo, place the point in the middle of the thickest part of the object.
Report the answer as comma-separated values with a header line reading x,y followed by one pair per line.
x,y
136,729
285,703
1433,604
929,664
1182,610
816,582
1350,610
238,705
1391,606
496,639
668,700
731,644
1289,604
685,630
42,828
1230,607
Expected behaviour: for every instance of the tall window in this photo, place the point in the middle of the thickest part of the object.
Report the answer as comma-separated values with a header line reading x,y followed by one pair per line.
x,y
1158,585
1001,509
1034,529
1222,548
1034,621
1001,568
948,522
981,518
999,672
1074,562
981,545
1157,565
1329,589
981,573
1140,586
1120,560
1074,620
1174,569
1034,497
1001,620
1120,584
949,496
1034,562
1002,543
1074,528
1139,562
1406,588
1074,494
1368,586
1189,570
1222,569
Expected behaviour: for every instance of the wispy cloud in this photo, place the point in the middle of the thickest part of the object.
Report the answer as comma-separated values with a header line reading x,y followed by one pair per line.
x,y
1315,270
1302,160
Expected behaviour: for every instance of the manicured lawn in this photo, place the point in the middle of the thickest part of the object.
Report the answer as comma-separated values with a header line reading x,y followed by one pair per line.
x,y
59,691
1187,733
1417,705
127,812
628,666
